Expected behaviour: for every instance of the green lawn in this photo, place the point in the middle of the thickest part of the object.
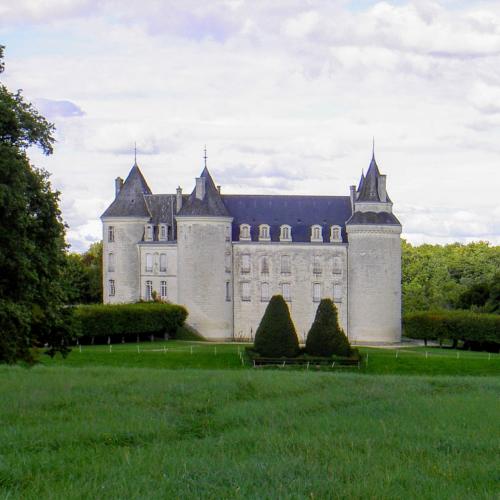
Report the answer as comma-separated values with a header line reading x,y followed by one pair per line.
x,y
107,432
182,355
190,420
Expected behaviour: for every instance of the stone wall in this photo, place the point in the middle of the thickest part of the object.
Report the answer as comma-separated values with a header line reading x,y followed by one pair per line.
x,y
301,278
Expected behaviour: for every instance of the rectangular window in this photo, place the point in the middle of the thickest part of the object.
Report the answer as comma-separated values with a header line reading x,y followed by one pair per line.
x,y
337,265
264,292
245,263
316,292
149,262
245,291
317,265
111,288
264,265
285,264
227,262
163,262
228,291
111,262
163,289
337,292
149,290
285,291
111,234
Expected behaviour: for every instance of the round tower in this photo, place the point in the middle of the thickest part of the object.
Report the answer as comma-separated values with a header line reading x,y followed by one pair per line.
x,y
123,227
374,263
204,256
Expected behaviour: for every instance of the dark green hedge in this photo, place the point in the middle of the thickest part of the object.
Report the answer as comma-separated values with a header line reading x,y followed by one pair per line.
x,y
466,326
128,320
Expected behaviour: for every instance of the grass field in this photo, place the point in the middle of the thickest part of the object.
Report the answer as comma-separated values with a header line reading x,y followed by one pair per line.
x,y
182,355
189,420
106,432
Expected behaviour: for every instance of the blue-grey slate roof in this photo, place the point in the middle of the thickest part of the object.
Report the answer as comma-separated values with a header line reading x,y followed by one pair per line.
x,y
299,212
377,218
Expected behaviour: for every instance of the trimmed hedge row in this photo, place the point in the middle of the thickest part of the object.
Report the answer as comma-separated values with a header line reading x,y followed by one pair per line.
x,y
126,320
466,326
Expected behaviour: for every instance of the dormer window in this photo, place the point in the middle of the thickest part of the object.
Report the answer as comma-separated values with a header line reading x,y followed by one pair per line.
x,y
163,233
148,233
245,232
264,233
335,234
316,233
285,233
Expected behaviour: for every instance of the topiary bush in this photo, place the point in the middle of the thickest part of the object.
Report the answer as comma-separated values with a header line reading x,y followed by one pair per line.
x,y
326,338
129,320
276,335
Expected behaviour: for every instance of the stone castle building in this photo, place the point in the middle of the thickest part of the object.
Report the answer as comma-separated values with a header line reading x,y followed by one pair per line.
x,y
223,256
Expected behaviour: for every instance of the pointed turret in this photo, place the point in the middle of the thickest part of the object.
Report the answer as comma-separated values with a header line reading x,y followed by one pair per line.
x,y
205,200
129,201
369,185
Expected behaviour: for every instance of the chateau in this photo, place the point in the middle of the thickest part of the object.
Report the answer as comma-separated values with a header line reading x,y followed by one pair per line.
x,y
223,256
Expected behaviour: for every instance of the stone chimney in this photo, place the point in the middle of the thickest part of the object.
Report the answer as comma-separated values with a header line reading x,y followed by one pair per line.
x,y
218,189
200,187
353,196
178,199
382,192
118,185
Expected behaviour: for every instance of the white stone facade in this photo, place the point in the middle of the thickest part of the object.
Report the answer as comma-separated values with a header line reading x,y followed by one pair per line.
x,y
225,271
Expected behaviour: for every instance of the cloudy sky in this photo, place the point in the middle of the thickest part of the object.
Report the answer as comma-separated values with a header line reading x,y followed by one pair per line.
x,y
286,94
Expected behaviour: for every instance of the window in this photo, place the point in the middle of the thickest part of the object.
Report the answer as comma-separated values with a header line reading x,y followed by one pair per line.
x,y
227,262
337,292
317,265
337,265
316,233
163,232
264,292
244,232
285,291
245,291
264,265
228,233
264,232
245,263
111,288
316,292
163,262
111,262
228,291
163,289
285,264
149,262
149,290
335,234
149,232
111,234
285,233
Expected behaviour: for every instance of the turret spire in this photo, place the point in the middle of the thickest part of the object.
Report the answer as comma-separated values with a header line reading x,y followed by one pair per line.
x,y
205,156
135,153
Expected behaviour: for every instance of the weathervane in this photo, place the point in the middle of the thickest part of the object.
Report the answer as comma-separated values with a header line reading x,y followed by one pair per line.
x,y
205,156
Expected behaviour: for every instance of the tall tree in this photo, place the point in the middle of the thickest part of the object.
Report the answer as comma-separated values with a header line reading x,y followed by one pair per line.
x,y
31,235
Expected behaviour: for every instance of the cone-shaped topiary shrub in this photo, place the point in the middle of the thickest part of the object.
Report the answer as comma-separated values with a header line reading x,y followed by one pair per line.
x,y
326,338
276,336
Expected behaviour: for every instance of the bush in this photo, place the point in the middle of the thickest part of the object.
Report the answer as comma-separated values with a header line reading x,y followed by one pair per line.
x,y
276,335
326,338
466,326
129,320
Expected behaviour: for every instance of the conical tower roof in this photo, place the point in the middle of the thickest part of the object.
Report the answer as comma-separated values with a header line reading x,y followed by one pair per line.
x,y
211,204
368,189
130,200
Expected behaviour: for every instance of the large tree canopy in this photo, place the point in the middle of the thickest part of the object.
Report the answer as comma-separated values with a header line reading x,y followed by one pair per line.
x,y
31,235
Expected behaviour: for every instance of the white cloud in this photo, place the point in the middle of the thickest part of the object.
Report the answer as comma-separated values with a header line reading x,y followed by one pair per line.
x,y
286,95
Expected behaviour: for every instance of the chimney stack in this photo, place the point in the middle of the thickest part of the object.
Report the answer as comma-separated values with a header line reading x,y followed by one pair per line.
x,y
118,185
353,197
200,187
382,192
218,189
178,199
